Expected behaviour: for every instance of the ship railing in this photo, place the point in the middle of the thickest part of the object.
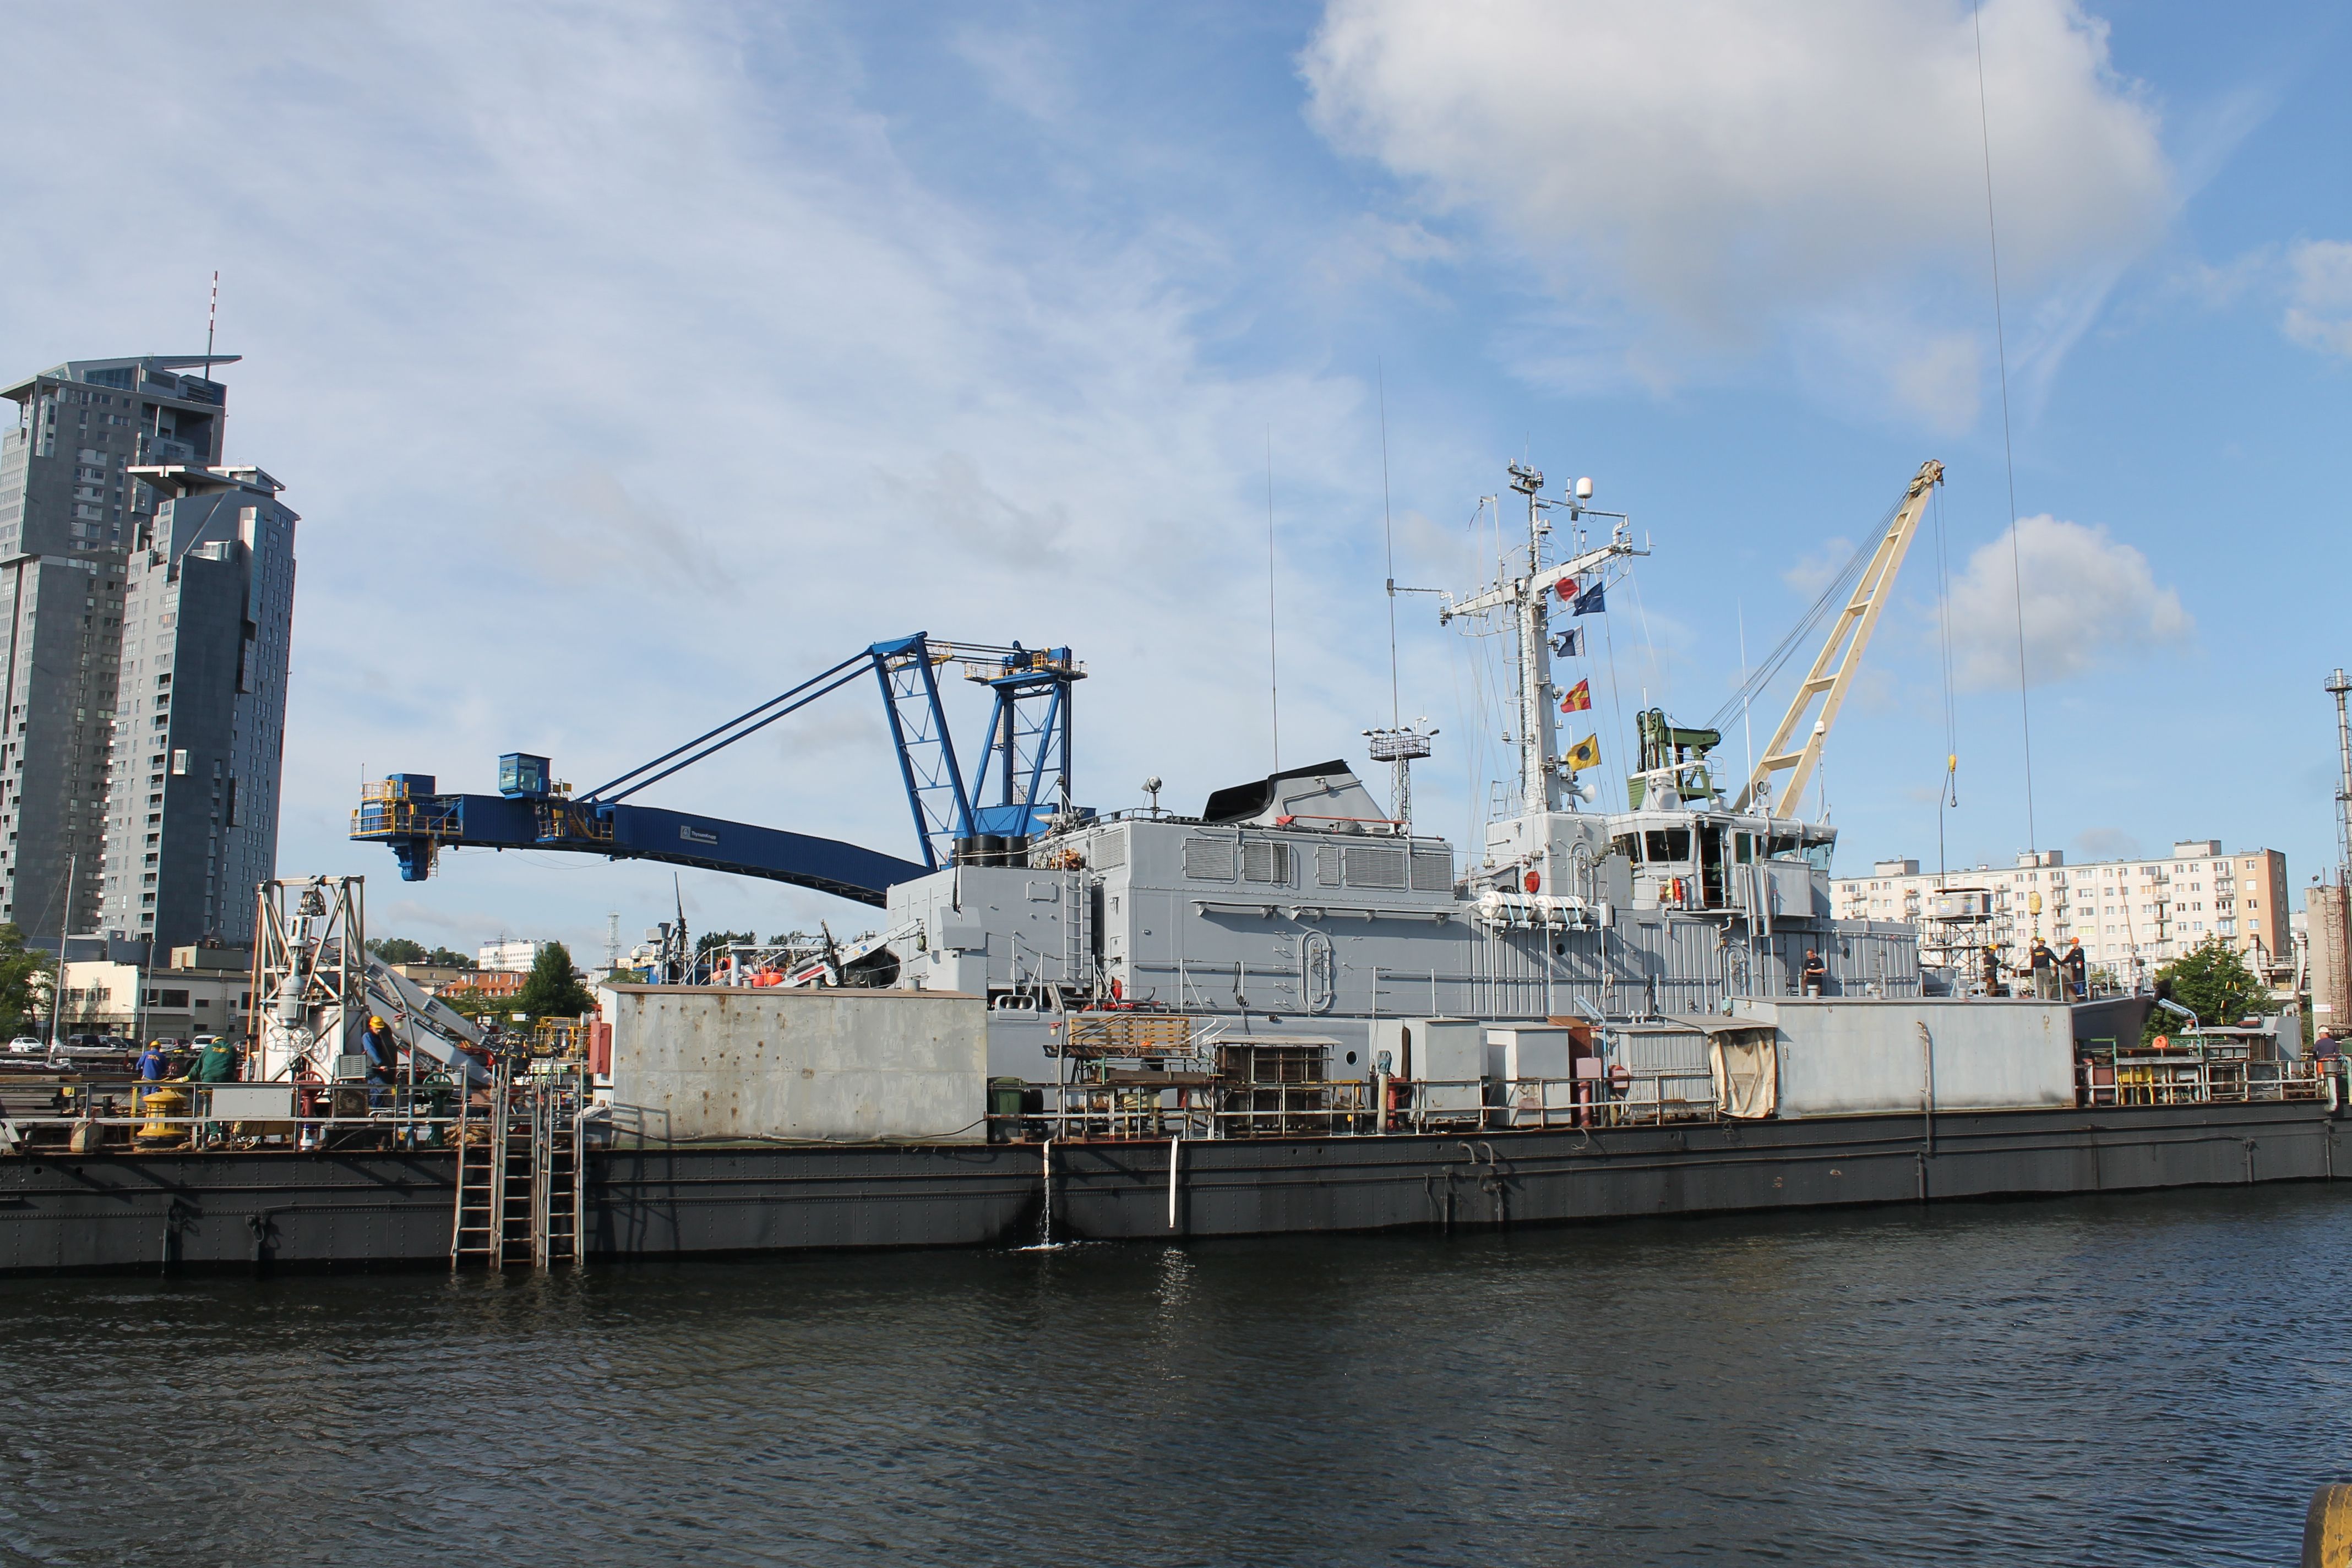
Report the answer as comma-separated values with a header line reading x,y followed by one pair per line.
x,y
136,1116
2137,1077
1203,1107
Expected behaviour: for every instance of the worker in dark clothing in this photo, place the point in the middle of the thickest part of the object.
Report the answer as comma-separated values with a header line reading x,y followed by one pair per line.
x,y
2043,964
384,1061
216,1063
2078,970
1991,970
1816,972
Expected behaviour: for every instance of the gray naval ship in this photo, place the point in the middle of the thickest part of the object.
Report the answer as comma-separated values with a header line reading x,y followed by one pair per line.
x,y
1301,902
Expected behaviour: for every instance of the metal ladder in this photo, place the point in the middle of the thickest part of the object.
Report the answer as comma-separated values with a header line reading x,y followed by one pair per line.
x,y
479,1234
522,1177
558,1171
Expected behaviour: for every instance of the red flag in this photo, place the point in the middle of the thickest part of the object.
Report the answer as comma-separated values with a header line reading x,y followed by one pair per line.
x,y
1565,589
1578,698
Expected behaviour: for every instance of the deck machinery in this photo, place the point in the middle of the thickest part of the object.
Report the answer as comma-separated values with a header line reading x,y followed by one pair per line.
x,y
1298,900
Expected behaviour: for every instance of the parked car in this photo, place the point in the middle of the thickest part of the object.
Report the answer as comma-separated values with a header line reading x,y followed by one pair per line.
x,y
25,1046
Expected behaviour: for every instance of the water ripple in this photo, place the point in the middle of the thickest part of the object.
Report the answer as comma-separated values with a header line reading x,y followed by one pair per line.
x,y
2146,1380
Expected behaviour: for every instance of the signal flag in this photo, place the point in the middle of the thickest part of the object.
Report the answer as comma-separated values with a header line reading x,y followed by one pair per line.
x,y
1585,753
1577,699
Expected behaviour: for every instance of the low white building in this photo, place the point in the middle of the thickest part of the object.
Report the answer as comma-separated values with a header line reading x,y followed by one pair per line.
x,y
102,998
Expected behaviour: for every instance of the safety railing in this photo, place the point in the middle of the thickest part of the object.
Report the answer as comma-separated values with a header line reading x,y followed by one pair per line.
x,y
90,1116
1207,1108
384,814
2174,1077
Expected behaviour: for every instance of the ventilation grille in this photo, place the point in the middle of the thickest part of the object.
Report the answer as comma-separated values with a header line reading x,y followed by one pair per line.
x,y
1327,864
1209,859
1433,870
1108,851
1368,866
1264,862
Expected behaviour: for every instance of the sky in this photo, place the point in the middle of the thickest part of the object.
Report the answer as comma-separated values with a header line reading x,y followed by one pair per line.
x,y
630,362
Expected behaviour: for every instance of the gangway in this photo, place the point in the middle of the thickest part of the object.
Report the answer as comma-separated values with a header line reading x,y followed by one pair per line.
x,y
1025,764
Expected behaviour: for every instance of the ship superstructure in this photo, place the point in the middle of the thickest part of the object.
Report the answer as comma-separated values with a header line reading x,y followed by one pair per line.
x,y
1300,901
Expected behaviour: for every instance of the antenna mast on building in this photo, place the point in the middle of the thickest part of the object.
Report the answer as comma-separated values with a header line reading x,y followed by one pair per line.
x,y
212,319
612,941
2336,687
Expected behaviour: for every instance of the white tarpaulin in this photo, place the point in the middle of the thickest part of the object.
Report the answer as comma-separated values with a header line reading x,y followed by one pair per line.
x,y
1747,1072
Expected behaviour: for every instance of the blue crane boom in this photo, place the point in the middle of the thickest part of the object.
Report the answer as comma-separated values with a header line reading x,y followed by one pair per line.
x,y
1028,732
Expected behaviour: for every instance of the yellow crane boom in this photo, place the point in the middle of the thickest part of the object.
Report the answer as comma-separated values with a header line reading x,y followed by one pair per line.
x,y
1825,684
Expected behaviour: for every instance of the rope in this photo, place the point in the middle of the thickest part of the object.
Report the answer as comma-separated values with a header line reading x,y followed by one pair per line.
x,y
2009,457
1840,589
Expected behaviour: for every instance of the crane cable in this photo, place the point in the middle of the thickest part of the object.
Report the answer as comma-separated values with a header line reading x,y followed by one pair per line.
x,y
2009,457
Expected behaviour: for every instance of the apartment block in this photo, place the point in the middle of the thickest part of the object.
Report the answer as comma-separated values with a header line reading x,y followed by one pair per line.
x,y
2131,916
199,733
70,508
514,954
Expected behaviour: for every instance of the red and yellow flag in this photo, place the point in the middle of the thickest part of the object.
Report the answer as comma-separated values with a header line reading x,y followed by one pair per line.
x,y
1577,698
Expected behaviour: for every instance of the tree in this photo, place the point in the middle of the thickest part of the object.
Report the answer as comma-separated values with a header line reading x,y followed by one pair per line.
x,y
24,983
441,957
396,950
717,939
2211,982
552,991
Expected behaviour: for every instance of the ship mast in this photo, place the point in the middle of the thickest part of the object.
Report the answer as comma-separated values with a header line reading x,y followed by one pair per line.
x,y
1529,598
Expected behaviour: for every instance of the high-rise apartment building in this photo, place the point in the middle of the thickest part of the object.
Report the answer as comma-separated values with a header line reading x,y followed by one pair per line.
x,y
199,730
68,510
2129,915
146,593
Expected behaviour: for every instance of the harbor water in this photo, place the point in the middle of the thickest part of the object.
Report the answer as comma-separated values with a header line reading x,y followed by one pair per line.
x,y
2147,1379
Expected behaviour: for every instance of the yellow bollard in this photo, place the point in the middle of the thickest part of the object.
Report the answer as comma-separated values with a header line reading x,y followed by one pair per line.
x,y
160,1104
2327,1528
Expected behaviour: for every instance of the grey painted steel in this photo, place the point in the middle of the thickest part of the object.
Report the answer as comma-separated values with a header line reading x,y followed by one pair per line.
x,y
1224,920
160,1211
121,1211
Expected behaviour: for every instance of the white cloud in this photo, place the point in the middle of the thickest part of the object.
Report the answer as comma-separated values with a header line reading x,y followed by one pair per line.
x,y
1727,173
1819,567
2319,308
624,373
2087,600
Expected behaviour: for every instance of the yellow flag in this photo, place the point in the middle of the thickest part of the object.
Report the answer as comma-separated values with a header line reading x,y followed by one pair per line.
x,y
1585,753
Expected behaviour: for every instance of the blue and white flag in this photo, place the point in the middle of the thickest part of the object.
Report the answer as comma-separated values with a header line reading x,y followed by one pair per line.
x,y
1569,644
1589,602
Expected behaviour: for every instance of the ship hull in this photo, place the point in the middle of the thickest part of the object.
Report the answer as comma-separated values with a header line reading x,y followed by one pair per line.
x,y
164,1212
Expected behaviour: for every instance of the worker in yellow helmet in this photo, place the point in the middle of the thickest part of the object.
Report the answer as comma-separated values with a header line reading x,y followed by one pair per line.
x,y
384,1061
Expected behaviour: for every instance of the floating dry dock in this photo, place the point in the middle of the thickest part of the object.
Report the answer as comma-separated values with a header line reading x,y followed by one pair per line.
x,y
1132,1152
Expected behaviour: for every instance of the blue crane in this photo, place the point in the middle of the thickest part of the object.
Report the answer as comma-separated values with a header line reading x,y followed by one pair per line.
x,y
1025,765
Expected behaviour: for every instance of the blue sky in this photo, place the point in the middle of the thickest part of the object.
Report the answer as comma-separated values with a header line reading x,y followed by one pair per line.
x,y
630,362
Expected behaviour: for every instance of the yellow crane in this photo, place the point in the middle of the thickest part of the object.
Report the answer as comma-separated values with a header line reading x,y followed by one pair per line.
x,y
1815,706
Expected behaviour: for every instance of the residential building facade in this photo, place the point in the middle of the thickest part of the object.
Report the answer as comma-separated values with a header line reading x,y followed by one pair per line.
x,y
199,733
70,508
516,953
2131,916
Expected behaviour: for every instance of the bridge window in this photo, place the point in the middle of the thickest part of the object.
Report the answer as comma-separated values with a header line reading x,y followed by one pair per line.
x,y
1668,843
